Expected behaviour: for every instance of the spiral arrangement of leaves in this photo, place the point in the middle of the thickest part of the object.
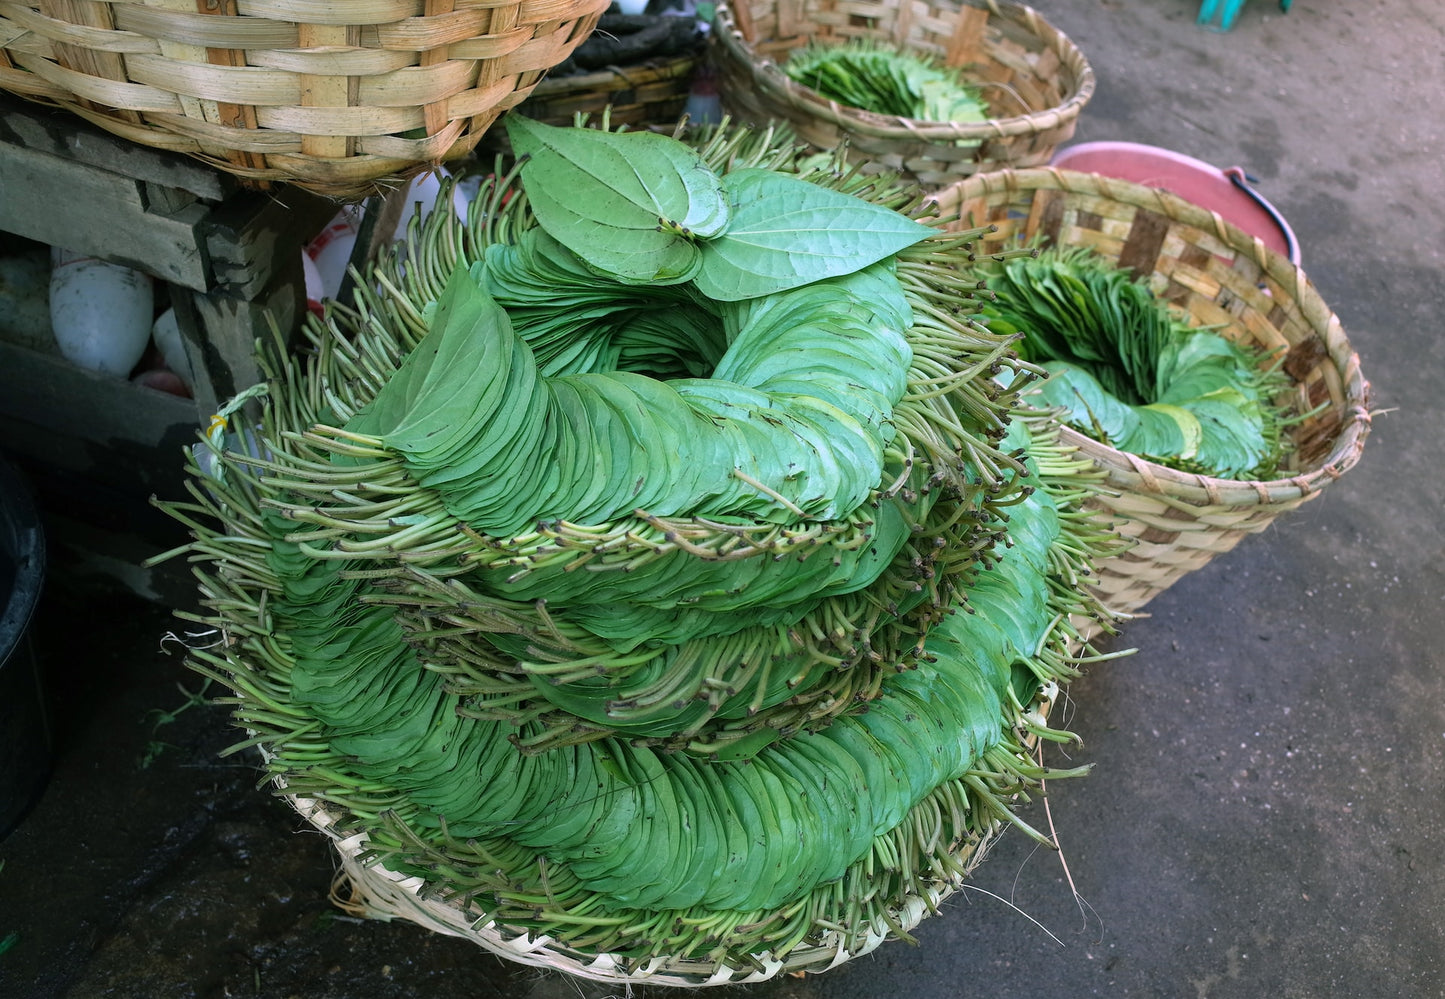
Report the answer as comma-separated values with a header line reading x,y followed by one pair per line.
x,y
639,609
1132,373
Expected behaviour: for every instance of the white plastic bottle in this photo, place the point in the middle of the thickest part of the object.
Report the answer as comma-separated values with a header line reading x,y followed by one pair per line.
x,y
100,312
331,250
167,336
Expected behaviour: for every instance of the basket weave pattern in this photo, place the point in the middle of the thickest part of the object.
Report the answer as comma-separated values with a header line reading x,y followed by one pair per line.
x,y
334,97
1217,275
367,888
654,92
1034,79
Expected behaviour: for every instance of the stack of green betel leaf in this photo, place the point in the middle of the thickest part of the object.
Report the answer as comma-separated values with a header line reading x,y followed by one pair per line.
x,y
656,572
886,79
1129,372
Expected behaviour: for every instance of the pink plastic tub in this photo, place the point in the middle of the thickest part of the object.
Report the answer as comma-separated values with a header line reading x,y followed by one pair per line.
x,y
1224,191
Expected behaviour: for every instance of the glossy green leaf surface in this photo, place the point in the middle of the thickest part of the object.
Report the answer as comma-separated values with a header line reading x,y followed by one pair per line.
x,y
630,204
785,232
1127,371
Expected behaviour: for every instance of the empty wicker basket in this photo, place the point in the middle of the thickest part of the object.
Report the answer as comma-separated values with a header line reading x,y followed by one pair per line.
x,y
1034,79
1217,275
332,96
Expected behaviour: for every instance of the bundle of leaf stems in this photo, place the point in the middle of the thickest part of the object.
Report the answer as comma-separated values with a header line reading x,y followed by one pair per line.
x,y
362,526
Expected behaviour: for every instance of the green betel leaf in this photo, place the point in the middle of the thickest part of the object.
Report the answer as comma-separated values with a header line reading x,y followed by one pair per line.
x,y
630,255
629,204
785,233
1086,404
1233,442
1164,431
437,393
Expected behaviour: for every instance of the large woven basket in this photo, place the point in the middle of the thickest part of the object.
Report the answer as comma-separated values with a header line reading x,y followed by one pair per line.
x,y
653,92
1217,275
367,888
637,67
1034,79
335,96
371,890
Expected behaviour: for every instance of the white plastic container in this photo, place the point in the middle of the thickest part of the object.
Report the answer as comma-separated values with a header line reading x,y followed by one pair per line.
x,y
100,312
315,289
331,250
327,256
167,336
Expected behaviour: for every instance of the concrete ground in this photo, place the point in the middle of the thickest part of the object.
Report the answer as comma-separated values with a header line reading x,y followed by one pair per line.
x,y
1263,814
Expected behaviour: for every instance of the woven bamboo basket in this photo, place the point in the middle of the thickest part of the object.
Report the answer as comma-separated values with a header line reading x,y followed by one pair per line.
x,y
371,890
368,889
1217,275
1034,79
648,93
336,97
637,67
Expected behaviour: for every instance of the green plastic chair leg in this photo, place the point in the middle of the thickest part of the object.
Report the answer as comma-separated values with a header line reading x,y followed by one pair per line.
x,y
1228,11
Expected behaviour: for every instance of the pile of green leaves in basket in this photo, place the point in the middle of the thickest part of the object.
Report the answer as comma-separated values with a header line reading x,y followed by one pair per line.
x,y
1130,372
885,79
657,560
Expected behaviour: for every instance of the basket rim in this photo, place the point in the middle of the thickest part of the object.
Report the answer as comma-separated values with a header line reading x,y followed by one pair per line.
x,y
768,75
371,125
1137,474
542,951
653,68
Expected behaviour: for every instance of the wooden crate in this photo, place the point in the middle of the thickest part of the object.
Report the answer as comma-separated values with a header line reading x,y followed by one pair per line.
x,y
229,261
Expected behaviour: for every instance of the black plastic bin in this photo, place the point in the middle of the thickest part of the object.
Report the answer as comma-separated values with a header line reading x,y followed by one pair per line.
x,y
26,744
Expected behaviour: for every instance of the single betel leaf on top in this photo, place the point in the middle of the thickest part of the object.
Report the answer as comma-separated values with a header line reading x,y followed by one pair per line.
x,y
630,204
623,253
1234,441
785,232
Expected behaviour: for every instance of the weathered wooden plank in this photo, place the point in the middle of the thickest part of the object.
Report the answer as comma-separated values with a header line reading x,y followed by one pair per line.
x,y
162,200
220,331
47,390
251,237
65,203
63,134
